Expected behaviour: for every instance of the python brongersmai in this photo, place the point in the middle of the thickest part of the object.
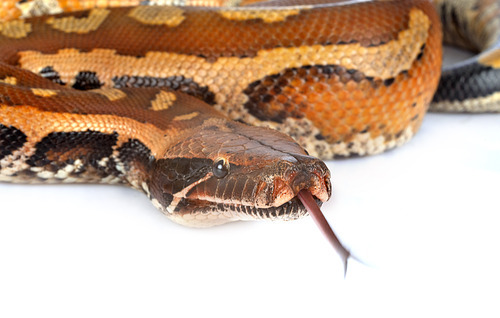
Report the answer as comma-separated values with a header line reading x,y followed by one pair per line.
x,y
103,96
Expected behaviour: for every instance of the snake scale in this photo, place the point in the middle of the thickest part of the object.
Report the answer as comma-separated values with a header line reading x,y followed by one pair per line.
x,y
194,106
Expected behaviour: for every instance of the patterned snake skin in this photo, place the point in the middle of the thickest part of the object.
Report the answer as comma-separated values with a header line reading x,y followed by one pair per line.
x,y
162,98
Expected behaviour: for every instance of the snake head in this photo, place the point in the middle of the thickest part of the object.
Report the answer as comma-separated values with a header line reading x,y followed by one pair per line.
x,y
226,171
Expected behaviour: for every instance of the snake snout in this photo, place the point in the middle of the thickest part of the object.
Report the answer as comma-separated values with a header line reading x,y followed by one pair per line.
x,y
307,173
317,184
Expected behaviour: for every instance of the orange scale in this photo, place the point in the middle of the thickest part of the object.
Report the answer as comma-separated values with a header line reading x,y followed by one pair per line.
x,y
289,90
299,99
351,120
384,101
336,86
331,136
365,113
317,98
340,112
335,107
324,122
334,121
352,105
321,87
330,115
319,107
329,97
312,115
359,95
366,86
351,86
361,126
296,82
305,89
342,130
281,99
344,95
374,132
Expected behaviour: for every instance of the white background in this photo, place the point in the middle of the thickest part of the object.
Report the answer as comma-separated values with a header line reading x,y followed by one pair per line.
x,y
423,218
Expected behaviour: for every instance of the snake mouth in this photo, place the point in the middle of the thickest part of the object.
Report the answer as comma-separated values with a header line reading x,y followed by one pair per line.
x,y
273,198
282,196
290,210
249,191
209,213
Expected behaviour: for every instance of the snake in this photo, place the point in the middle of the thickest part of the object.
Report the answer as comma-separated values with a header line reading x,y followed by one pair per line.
x,y
225,113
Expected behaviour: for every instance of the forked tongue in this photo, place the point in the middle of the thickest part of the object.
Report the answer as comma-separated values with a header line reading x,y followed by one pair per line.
x,y
310,204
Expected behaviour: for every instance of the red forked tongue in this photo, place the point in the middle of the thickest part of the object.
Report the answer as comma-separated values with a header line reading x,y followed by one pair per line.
x,y
308,201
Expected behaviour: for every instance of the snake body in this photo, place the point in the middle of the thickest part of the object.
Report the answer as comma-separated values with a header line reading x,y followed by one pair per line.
x,y
103,96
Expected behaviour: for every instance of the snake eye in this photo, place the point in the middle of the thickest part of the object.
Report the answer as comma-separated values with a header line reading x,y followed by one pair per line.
x,y
221,168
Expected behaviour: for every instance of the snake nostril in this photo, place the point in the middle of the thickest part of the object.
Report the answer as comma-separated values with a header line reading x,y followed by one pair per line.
x,y
300,181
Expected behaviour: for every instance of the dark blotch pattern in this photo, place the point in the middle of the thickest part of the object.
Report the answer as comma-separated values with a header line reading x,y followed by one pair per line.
x,y
469,81
135,151
421,53
49,73
319,137
57,150
175,174
178,173
87,80
389,81
11,139
279,96
177,83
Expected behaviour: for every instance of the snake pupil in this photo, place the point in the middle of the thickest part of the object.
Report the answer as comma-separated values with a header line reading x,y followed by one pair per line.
x,y
221,168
